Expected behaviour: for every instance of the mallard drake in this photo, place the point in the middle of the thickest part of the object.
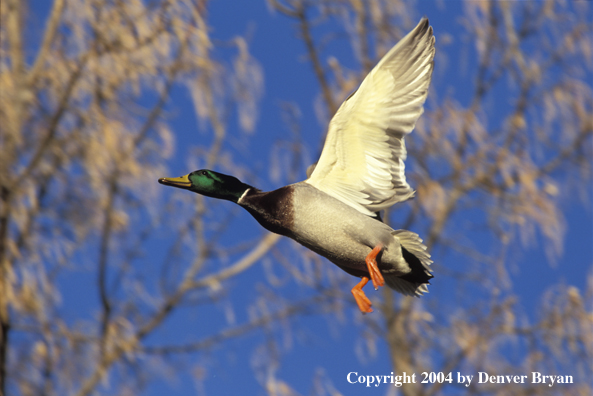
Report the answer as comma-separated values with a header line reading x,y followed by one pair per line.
x,y
335,211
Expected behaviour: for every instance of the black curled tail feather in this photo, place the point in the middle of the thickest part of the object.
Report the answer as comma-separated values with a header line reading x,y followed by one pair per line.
x,y
414,252
419,273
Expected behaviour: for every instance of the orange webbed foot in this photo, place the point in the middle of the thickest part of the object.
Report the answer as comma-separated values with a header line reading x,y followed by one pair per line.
x,y
371,260
363,302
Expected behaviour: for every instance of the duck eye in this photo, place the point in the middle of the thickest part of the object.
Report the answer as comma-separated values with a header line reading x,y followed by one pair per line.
x,y
204,173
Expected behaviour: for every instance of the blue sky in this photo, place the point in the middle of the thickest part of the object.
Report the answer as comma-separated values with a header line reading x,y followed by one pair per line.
x,y
289,78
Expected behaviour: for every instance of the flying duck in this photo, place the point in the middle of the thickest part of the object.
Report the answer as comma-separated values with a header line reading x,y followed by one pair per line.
x,y
335,211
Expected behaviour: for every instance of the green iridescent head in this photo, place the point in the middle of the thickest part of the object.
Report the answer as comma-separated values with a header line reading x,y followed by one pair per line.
x,y
209,183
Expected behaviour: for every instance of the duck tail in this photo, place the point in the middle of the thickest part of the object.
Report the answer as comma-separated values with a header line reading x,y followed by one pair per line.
x,y
415,282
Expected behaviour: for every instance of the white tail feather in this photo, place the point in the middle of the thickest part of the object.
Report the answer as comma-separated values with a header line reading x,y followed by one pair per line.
x,y
413,244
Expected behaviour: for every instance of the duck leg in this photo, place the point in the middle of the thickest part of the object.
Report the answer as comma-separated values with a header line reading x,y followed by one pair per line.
x,y
364,304
371,260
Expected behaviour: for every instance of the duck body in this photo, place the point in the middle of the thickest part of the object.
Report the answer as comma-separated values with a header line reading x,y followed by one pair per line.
x,y
337,232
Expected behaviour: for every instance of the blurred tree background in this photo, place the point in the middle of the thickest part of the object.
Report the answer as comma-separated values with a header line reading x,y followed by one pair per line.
x,y
112,284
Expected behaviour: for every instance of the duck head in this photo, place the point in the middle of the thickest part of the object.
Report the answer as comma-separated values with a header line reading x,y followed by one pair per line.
x,y
209,183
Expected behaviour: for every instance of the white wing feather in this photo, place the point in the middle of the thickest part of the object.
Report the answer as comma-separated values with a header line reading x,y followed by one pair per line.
x,y
362,162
